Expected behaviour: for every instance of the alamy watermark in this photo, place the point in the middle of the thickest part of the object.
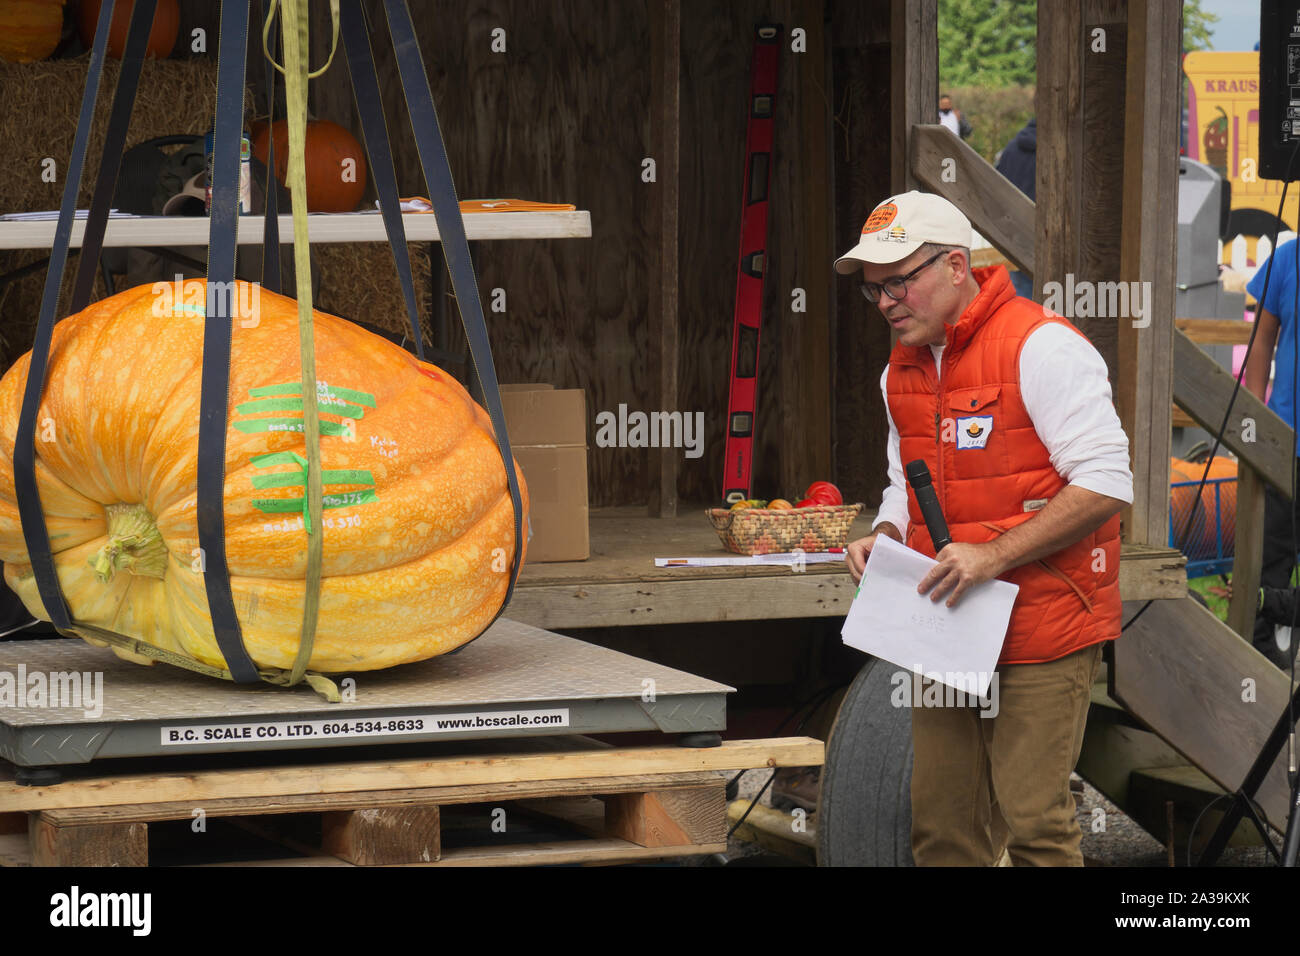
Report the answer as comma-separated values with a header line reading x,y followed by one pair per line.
x,y
1100,300
920,688
83,690
653,430
237,300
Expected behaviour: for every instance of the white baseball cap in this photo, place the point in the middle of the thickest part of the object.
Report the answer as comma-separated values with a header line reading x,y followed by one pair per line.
x,y
902,224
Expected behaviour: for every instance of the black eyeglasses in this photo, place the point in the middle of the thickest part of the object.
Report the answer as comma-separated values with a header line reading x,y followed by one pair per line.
x,y
896,286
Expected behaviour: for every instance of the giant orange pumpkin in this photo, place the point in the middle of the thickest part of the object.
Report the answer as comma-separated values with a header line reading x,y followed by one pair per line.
x,y
162,34
333,183
29,29
419,526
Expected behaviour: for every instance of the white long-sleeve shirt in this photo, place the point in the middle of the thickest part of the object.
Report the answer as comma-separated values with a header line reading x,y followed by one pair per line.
x,y
1065,389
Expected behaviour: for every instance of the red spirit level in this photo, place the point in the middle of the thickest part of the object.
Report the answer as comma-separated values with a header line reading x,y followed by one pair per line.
x,y
753,261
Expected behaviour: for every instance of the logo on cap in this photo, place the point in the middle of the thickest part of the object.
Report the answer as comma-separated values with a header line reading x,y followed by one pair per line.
x,y
880,217
895,234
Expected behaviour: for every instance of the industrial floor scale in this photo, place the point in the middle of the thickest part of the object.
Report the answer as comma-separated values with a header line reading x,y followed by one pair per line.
x,y
68,703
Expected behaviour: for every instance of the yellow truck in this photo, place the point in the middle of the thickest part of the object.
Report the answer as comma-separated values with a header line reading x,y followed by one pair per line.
x,y
1223,132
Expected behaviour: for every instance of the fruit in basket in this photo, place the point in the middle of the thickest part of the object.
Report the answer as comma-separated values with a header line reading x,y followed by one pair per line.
x,y
824,493
779,504
418,522
806,503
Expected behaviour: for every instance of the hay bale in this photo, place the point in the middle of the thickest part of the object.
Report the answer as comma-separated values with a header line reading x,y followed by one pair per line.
x,y
174,97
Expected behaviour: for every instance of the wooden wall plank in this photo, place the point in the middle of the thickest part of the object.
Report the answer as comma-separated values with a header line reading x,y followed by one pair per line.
x,y
665,121
862,164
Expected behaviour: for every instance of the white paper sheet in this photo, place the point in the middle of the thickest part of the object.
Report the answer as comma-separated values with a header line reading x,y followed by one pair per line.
x,y
956,646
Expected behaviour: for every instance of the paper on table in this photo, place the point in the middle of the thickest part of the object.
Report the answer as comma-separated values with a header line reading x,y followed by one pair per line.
x,y
957,646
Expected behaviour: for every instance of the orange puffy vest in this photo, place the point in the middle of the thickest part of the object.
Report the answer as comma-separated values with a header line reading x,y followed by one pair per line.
x,y
991,472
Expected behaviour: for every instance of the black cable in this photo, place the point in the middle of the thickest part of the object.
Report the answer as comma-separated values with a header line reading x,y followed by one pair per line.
x,y
753,803
1191,835
1236,388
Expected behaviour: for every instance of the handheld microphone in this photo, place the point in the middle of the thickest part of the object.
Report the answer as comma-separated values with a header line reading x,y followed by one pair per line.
x,y
918,475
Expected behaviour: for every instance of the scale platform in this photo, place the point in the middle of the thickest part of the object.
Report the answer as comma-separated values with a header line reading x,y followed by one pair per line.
x,y
513,681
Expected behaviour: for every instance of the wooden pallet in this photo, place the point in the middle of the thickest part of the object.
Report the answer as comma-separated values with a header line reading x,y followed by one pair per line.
x,y
514,803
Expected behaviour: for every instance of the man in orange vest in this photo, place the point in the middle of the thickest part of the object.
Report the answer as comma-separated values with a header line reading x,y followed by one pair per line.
x,y
1010,407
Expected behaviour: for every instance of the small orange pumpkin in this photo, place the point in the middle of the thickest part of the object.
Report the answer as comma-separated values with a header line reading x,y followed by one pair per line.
x,y
29,29
418,521
162,35
333,183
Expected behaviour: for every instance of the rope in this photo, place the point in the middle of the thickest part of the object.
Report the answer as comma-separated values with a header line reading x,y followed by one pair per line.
x,y
293,22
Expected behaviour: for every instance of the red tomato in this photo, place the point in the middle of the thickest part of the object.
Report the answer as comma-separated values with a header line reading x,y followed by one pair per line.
x,y
824,493
806,503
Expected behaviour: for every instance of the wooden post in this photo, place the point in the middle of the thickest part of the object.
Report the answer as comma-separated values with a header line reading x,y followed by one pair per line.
x,y
665,95
106,844
1150,202
914,65
1059,210
381,836
668,817
1249,552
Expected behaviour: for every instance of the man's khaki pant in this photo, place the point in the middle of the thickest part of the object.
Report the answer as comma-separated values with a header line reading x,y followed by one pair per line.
x,y
979,784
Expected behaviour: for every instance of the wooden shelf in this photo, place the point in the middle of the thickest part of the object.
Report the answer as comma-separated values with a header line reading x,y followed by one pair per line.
x,y
619,584
321,227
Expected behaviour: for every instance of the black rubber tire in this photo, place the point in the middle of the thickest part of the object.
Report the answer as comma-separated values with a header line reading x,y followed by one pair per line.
x,y
864,815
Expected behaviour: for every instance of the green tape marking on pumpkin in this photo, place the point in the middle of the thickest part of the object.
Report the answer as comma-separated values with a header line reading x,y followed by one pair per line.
x,y
335,391
345,499
287,479
295,405
286,425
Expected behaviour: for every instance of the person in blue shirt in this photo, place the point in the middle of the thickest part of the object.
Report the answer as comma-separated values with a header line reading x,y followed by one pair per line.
x,y
1275,343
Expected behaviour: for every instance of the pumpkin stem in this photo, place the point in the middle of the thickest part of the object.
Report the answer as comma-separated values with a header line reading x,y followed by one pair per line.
x,y
134,544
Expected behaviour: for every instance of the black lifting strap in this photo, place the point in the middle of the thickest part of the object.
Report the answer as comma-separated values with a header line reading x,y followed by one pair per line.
x,y
271,224
455,246
119,118
221,298
374,127
30,514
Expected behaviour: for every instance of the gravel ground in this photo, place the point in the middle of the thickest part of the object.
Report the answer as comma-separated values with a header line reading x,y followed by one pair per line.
x,y
1121,843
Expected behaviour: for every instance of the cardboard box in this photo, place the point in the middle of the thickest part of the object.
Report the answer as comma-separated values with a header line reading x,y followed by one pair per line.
x,y
548,435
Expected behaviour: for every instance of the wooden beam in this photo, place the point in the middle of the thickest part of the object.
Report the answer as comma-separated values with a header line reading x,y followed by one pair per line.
x,y
914,80
343,777
1248,553
1215,331
1202,387
1149,203
665,112
1058,104
1000,212
1206,692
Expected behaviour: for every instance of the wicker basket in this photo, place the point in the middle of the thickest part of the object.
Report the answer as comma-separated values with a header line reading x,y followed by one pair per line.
x,y
768,530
